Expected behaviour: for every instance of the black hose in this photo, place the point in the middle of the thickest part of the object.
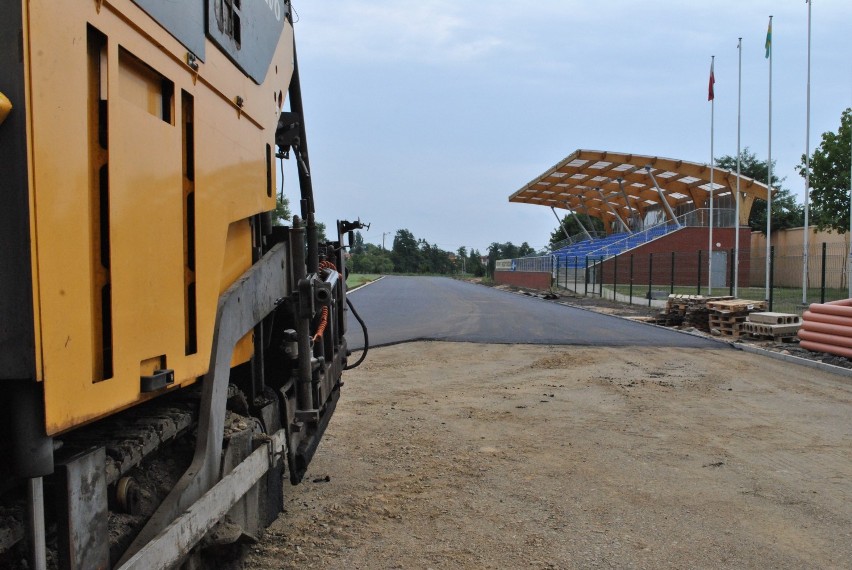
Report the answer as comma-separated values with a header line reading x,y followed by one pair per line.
x,y
366,337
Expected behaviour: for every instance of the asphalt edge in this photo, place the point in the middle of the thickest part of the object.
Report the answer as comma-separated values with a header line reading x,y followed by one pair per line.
x,y
830,368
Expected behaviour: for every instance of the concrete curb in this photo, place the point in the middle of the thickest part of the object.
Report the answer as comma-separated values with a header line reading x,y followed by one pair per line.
x,y
830,368
362,285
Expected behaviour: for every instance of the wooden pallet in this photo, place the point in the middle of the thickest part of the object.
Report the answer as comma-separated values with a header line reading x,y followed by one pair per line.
x,y
727,325
736,306
668,319
686,303
690,310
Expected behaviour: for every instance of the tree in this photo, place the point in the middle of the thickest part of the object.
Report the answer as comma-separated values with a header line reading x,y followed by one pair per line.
x,y
281,213
474,263
357,244
321,237
372,259
506,250
829,179
786,212
573,227
525,250
461,259
405,252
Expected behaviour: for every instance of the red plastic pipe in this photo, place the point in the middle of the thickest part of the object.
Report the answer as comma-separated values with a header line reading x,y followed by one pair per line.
x,y
825,328
828,339
830,319
829,348
826,309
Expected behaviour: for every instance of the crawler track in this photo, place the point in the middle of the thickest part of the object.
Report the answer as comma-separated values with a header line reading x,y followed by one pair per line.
x,y
147,448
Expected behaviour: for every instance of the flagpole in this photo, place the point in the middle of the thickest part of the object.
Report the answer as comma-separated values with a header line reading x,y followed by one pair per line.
x,y
807,170
849,261
737,197
769,165
712,161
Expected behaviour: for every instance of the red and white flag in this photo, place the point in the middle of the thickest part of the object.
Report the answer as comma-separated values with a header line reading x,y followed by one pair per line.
x,y
710,95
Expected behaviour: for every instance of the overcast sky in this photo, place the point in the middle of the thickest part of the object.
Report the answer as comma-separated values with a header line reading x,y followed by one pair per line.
x,y
427,115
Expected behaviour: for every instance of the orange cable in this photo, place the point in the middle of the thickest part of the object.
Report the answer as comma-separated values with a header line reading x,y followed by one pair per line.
x,y
324,316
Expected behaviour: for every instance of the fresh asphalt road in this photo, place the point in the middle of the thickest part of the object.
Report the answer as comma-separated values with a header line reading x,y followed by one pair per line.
x,y
401,309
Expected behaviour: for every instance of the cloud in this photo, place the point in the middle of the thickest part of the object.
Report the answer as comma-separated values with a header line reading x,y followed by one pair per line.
x,y
376,31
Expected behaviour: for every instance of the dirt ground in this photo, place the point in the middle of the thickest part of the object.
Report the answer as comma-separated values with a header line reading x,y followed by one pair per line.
x,y
445,455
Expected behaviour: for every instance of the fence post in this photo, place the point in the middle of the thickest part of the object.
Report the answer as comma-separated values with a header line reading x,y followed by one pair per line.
x,y
698,288
822,277
586,272
671,287
631,278
731,271
600,277
771,275
615,274
576,270
650,273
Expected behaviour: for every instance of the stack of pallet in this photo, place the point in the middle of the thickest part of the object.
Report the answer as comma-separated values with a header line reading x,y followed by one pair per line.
x,y
689,310
774,326
728,316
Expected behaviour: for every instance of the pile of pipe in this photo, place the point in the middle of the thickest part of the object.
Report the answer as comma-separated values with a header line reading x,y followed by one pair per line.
x,y
827,327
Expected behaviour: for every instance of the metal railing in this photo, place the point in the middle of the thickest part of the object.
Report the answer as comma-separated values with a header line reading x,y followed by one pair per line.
x,y
577,238
534,264
700,218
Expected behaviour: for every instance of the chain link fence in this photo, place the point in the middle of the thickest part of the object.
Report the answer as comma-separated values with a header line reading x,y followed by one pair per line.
x,y
650,278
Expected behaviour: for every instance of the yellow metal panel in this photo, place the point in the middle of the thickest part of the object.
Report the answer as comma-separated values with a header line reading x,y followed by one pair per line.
x,y
141,86
146,232
236,262
145,211
60,181
32,206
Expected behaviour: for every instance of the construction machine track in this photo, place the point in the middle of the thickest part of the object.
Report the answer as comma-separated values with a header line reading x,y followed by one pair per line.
x,y
147,449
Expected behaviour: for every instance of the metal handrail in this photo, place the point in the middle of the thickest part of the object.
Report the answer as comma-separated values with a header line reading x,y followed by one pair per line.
x,y
575,239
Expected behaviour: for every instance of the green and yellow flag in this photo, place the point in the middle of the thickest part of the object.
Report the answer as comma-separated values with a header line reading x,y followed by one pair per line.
x,y
769,39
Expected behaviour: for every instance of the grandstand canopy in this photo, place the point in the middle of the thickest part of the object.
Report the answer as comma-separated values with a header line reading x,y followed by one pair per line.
x,y
609,185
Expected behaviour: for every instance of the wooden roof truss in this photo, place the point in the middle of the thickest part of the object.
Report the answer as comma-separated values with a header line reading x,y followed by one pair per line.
x,y
615,186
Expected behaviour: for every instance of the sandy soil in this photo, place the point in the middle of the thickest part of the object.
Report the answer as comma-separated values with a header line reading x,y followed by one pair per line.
x,y
479,456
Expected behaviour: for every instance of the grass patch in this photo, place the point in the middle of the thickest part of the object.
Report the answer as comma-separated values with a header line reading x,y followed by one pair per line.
x,y
358,279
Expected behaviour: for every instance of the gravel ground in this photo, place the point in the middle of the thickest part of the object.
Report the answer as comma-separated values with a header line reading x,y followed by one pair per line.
x,y
453,455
